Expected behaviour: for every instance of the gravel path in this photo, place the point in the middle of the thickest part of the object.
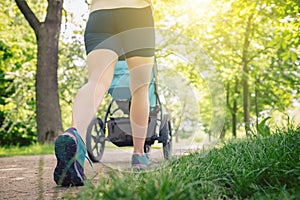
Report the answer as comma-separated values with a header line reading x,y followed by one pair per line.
x,y
31,177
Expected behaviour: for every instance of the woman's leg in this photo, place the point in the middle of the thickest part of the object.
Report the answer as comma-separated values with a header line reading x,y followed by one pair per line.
x,y
69,153
101,64
140,70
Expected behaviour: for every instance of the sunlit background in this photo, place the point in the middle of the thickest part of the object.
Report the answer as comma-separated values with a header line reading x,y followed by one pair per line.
x,y
254,39
200,16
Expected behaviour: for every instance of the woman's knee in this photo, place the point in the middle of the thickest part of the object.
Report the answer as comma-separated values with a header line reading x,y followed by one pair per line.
x,y
140,93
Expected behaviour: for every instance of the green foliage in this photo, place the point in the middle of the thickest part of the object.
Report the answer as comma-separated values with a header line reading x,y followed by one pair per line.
x,y
4,82
271,42
256,168
17,66
263,129
33,149
219,28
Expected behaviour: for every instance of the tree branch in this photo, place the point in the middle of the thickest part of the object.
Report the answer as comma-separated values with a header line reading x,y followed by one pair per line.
x,y
258,53
54,10
29,15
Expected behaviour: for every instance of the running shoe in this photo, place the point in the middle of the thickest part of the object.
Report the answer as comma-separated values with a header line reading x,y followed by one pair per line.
x,y
139,162
70,152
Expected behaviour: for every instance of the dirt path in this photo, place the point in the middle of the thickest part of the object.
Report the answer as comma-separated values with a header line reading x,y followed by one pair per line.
x,y
31,177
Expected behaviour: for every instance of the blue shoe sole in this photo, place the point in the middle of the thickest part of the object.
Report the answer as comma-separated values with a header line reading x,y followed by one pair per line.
x,y
68,172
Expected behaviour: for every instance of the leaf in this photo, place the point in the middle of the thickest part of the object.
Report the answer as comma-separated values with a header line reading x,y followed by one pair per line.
x,y
262,128
294,56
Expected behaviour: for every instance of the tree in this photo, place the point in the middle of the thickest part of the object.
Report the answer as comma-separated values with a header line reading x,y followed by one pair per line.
x,y
48,113
254,45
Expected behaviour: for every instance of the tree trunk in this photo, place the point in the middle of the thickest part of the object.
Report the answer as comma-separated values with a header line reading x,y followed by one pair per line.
x,y
246,98
49,122
234,109
223,131
48,113
256,101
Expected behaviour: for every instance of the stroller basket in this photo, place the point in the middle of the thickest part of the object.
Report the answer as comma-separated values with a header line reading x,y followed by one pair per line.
x,y
120,133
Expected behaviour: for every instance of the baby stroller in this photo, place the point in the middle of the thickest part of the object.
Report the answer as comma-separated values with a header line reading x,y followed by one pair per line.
x,y
115,126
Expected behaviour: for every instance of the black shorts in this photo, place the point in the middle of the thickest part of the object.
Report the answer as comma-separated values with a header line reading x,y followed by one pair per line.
x,y
127,31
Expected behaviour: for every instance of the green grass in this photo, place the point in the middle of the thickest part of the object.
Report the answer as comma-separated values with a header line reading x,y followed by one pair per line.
x,y
35,149
255,168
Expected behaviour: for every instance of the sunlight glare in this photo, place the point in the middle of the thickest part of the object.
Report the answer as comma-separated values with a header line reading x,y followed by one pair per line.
x,y
198,3
198,8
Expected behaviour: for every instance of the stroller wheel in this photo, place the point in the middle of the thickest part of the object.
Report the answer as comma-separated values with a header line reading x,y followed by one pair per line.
x,y
95,140
167,150
166,135
147,148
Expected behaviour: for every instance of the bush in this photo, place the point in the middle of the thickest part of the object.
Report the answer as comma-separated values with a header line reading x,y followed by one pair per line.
x,y
18,134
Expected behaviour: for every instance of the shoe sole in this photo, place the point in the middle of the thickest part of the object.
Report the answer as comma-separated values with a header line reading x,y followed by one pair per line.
x,y
68,172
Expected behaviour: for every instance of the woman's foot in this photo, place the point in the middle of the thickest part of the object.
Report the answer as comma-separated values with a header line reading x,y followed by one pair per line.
x,y
70,152
140,162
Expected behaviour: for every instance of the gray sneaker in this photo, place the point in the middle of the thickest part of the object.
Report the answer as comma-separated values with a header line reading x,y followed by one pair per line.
x,y
140,162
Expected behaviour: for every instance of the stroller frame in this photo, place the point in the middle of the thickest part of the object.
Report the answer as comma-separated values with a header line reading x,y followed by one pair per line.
x,y
118,129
